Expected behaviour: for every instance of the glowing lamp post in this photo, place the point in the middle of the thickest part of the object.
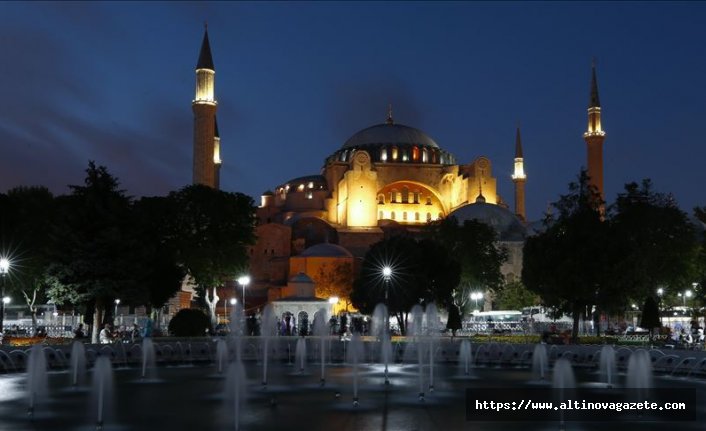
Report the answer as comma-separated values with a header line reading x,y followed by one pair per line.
x,y
4,269
387,274
232,301
244,281
686,294
660,292
115,313
475,296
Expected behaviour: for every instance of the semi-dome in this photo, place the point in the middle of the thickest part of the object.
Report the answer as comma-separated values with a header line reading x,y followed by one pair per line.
x,y
505,223
390,134
326,250
393,143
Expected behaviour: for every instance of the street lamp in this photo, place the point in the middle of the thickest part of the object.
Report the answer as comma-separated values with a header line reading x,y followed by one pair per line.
x,y
687,294
244,281
387,274
115,314
660,292
4,269
476,296
232,301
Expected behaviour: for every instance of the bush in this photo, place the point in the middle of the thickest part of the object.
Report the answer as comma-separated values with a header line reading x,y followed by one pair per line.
x,y
189,322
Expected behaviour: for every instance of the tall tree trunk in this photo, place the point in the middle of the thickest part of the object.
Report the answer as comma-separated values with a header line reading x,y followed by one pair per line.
x,y
212,302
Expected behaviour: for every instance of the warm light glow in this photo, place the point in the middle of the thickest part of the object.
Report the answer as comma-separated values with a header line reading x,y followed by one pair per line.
x,y
333,300
476,296
519,170
244,280
6,300
387,271
117,302
205,80
217,151
233,301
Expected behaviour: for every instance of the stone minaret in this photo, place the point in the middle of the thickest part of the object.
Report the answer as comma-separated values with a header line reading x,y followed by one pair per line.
x,y
519,178
594,137
206,156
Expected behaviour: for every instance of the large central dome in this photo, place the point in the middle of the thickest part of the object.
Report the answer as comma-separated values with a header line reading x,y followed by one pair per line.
x,y
396,134
393,143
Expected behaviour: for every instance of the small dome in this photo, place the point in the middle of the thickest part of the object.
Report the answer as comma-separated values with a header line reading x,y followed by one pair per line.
x,y
301,278
326,250
505,223
396,134
268,193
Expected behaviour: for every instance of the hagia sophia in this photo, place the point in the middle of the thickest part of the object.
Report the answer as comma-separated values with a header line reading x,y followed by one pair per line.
x,y
385,177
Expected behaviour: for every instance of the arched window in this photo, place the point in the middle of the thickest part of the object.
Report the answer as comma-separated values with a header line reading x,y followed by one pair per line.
x,y
394,153
381,199
416,216
440,216
392,215
425,155
380,215
415,196
415,153
405,195
428,217
393,196
404,216
383,154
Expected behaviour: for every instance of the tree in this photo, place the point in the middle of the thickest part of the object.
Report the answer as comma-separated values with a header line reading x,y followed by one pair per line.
x,y
650,315
567,263
189,323
474,246
211,232
93,252
27,220
334,279
515,296
422,273
654,242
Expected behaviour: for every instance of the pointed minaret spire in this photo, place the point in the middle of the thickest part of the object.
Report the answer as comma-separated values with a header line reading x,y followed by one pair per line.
x,y
519,178
205,59
206,141
595,100
594,137
389,115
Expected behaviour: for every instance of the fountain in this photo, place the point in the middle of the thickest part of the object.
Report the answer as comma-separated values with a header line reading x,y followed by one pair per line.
x,y
148,359
78,363
465,356
237,329
235,390
355,353
432,318
268,329
639,375
321,330
300,354
563,380
221,355
416,330
37,384
540,362
607,365
102,392
381,331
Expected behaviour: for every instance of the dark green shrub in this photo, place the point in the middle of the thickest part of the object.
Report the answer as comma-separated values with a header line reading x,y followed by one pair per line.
x,y
189,322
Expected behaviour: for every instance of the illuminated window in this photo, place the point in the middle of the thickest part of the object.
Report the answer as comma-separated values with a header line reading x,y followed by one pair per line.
x,y
394,153
300,188
309,195
392,215
404,216
416,216
428,200
425,155
416,197
440,216
383,154
380,215
428,217
381,199
393,196
405,195
311,184
415,153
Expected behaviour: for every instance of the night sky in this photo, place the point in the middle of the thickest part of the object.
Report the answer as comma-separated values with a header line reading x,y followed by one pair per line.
x,y
113,82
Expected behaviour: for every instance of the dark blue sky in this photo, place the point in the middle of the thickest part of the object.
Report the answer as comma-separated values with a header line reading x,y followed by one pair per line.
x,y
113,82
